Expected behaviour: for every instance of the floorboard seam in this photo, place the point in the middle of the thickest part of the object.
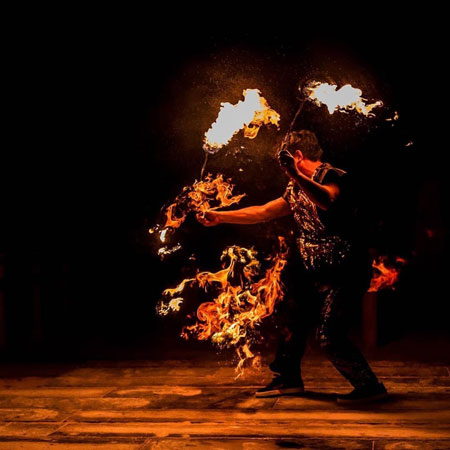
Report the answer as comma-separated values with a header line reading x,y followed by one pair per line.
x,y
57,429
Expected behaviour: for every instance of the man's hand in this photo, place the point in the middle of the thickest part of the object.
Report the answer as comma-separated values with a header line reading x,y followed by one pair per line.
x,y
209,218
287,162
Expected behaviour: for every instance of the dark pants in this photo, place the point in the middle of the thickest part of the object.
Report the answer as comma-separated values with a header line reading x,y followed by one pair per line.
x,y
327,302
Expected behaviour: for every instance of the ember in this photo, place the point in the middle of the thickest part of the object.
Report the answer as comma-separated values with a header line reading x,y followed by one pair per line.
x,y
346,98
250,115
243,299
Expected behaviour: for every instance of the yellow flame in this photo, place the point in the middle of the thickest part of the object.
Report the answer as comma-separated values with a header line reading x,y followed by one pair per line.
x,y
346,98
174,305
250,115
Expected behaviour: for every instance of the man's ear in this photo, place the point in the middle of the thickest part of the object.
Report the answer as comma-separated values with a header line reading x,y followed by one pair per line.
x,y
298,154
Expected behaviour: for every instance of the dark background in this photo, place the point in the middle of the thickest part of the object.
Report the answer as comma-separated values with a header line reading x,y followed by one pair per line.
x,y
110,126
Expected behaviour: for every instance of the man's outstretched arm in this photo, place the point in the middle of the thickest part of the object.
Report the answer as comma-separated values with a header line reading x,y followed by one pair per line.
x,y
246,216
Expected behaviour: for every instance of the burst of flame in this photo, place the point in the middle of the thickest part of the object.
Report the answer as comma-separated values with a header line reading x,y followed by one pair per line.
x,y
385,277
200,198
250,115
241,303
207,194
346,98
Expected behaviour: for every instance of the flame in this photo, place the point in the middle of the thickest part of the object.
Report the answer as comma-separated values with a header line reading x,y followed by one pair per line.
x,y
207,194
174,305
171,220
199,198
346,98
241,303
165,251
396,116
250,115
385,277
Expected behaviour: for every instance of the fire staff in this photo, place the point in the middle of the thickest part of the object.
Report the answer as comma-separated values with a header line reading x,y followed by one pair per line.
x,y
331,254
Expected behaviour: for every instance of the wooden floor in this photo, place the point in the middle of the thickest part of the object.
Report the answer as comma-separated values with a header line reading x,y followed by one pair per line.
x,y
186,404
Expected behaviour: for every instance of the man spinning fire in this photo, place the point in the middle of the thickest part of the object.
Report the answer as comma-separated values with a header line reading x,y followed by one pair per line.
x,y
331,254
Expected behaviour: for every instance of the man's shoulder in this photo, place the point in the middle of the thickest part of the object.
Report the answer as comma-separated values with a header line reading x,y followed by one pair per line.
x,y
328,173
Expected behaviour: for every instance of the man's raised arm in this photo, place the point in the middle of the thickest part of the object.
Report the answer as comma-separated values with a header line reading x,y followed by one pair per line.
x,y
246,216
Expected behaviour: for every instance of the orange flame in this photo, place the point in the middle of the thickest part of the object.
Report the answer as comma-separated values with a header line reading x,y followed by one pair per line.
x,y
171,220
200,197
250,115
346,98
230,319
385,277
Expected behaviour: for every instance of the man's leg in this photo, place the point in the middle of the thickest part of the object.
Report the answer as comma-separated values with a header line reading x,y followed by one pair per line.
x,y
294,322
286,365
344,355
292,343
332,337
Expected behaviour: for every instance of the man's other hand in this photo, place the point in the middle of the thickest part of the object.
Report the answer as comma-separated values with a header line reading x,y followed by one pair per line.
x,y
287,162
209,218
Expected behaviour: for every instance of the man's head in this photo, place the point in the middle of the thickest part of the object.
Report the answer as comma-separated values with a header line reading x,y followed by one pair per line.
x,y
305,148
306,143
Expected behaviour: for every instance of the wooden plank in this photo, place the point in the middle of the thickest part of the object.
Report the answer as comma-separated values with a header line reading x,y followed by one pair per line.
x,y
224,399
383,444
236,444
229,372
101,377
167,385
27,445
194,415
41,430
71,404
30,415
201,382
396,402
212,398
305,444
65,392
260,444
256,428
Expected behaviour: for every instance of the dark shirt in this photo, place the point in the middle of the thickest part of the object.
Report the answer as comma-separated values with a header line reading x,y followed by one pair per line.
x,y
324,237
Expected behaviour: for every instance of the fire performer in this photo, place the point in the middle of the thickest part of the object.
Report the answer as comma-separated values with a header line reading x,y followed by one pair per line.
x,y
336,263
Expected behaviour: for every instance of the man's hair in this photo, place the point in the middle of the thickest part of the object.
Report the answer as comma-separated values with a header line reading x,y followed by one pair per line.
x,y
305,141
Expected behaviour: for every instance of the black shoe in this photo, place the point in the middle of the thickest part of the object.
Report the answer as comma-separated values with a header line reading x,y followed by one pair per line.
x,y
367,394
281,386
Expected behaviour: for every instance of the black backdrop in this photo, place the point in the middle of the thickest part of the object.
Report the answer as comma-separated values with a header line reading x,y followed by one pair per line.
x,y
110,130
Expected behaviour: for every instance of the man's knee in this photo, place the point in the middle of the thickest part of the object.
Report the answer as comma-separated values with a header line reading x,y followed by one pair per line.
x,y
331,342
325,341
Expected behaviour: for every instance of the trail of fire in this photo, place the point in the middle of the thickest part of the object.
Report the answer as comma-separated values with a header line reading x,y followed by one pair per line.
x,y
207,194
385,277
249,115
200,198
346,98
243,299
